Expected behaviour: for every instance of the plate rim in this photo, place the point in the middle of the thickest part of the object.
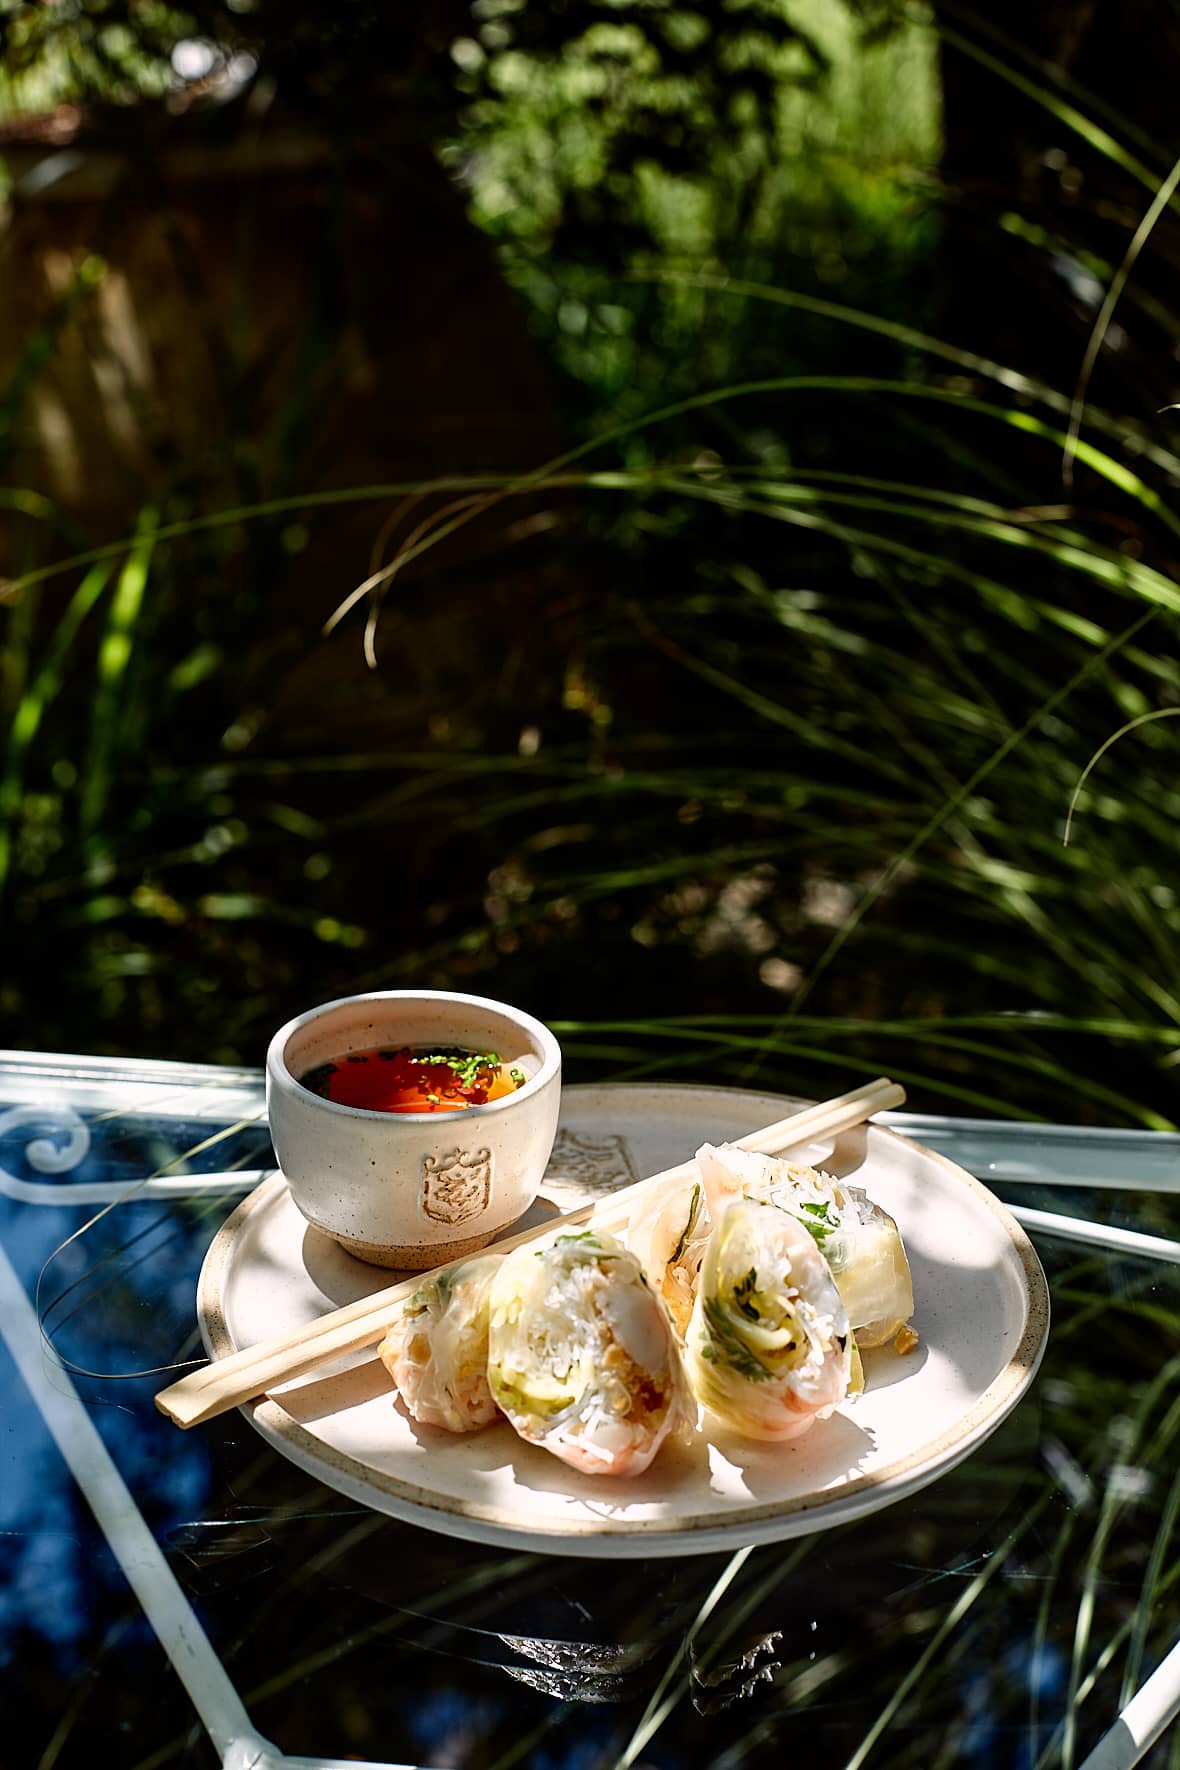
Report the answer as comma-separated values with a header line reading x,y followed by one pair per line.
x,y
687,1533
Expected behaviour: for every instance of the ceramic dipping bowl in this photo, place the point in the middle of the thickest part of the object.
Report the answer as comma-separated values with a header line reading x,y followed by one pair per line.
x,y
410,1190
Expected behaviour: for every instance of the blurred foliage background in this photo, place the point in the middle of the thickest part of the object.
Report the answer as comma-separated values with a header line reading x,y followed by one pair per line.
x,y
585,503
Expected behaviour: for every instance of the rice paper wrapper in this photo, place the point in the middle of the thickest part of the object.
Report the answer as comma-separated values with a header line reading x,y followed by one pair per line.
x,y
861,1242
581,1354
436,1350
769,1348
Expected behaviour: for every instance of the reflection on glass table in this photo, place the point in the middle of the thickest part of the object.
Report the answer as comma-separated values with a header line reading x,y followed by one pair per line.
x,y
196,1599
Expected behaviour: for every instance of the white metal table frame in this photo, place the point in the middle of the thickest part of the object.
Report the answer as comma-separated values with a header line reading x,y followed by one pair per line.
x,y
995,1151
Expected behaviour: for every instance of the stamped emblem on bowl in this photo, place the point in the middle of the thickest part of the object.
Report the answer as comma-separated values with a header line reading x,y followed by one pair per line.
x,y
456,1185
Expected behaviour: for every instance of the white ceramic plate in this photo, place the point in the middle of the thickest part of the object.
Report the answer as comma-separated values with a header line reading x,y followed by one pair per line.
x,y
982,1313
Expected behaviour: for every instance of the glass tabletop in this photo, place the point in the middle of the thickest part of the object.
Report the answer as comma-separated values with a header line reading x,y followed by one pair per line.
x,y
195,1598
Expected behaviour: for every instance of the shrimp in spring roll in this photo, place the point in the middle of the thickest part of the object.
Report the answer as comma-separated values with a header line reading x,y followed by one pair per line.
x,y
436,1349
581,1354
860,1241
668,1237
769,1349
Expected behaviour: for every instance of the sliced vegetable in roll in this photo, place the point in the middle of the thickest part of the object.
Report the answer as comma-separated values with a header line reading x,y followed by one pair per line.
x,y
868,1262
581,1354
436,1351
769,1349
861,1242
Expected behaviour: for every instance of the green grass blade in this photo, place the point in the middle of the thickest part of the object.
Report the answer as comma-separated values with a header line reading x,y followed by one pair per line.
x,y
114,659
36,699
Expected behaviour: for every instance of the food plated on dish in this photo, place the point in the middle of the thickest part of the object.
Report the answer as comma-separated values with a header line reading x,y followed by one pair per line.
x,y
275,1297
738,1290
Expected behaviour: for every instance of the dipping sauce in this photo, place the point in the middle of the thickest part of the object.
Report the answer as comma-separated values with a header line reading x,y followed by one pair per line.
x,y
414,1078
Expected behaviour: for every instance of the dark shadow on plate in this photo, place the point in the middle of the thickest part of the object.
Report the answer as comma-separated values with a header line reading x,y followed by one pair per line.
x,y
318,1397
676,1473
973,1312
831,1448
846,1156
884,1367
490,1448
681,1471
340,1276
343,1279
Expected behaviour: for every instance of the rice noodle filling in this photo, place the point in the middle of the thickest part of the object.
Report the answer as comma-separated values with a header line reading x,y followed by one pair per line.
x,y
581,1355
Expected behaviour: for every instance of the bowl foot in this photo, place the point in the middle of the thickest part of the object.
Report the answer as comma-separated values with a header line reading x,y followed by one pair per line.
x,y
411,1259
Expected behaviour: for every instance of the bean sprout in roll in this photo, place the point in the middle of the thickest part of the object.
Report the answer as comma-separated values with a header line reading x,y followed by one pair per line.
x,y
581,1354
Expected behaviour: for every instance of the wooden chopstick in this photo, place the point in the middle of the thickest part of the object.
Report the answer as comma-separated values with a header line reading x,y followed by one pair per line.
x,y
229,1382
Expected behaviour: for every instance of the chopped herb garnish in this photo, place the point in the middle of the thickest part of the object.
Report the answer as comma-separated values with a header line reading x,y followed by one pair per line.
x,y
470,1068
402,1079
517,1076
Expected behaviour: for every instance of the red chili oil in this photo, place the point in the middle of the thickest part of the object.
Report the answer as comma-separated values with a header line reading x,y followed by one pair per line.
x,y
412,1078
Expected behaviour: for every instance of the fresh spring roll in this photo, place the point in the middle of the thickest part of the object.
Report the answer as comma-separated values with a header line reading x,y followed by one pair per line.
x,y
861,1242
769,1349
436,1351
868,1262
581,1354
668,1237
